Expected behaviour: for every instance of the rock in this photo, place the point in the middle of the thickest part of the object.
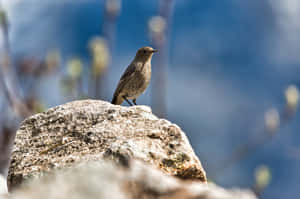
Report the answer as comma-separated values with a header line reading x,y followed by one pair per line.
x,y
3,186
90,130
106,180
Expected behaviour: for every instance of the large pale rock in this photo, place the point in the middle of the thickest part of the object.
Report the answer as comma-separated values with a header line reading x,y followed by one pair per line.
x,y
101,180
3,186
88,130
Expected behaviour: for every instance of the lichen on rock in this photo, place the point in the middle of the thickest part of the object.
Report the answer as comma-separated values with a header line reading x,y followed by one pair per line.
x,y
90,130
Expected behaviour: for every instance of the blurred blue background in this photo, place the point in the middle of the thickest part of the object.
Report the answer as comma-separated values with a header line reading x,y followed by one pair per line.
x,y
229,62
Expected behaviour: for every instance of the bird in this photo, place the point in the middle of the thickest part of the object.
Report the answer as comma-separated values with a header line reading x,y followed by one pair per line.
x,y
136,77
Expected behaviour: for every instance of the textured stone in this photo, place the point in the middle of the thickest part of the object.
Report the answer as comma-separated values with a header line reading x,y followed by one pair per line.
x,y
89,130
107,180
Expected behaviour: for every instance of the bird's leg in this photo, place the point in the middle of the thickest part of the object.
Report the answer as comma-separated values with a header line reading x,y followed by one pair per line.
x,y
134,101
124,97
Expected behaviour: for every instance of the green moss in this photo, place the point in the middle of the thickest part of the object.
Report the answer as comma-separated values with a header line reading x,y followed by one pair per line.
x,y
168,162
182,157
177,161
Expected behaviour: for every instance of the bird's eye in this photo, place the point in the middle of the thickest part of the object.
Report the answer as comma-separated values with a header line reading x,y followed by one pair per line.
x,y
144,51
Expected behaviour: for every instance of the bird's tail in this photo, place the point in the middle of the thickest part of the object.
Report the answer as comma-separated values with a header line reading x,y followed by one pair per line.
x,y
117,100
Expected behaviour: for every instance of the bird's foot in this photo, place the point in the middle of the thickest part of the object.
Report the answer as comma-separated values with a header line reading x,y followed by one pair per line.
x,y
127,101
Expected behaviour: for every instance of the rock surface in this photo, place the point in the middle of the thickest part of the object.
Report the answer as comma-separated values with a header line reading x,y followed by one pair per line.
x,y
90,130
135,181
3,186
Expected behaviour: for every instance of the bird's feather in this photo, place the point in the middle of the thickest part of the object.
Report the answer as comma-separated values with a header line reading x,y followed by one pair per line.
x,y
127,75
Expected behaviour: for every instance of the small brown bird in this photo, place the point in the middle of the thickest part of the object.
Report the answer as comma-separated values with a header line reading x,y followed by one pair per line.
x,y
136,77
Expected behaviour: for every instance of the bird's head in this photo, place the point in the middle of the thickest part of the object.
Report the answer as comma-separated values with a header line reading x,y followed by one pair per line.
x,y
145,53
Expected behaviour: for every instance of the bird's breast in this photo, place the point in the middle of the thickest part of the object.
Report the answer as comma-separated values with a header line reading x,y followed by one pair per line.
x,y
144,77
139,82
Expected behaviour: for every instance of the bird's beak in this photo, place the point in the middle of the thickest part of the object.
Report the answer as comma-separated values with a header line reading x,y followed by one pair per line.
x,y
154,51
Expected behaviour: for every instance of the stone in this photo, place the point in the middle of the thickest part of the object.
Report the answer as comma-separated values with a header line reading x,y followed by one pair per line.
x,y
3,186
105,179
92,130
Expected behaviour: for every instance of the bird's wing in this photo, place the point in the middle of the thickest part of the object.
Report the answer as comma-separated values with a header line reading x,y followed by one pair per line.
x,y
127,75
